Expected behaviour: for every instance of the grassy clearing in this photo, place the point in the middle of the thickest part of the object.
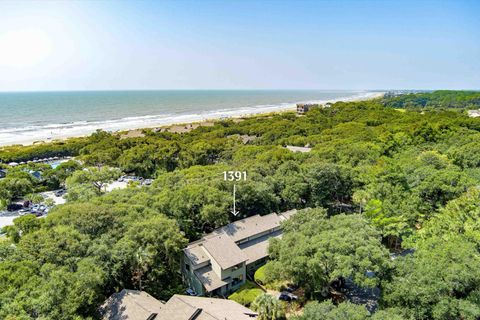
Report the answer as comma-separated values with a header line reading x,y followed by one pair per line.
x,y
260,276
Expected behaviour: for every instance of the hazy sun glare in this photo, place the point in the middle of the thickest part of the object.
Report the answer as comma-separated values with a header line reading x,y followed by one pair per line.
x,y
23,48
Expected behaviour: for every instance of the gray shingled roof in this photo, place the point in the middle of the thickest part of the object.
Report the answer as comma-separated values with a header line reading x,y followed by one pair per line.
x,y
130,305
209,278
258,248
225,252
251,226
139,305
196,254
287,214
181,307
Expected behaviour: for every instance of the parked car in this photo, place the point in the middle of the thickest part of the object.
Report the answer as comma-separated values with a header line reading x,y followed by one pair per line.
x,y
291,288
14,207
38,209
60,192
190,292
287,296
147,182
23,212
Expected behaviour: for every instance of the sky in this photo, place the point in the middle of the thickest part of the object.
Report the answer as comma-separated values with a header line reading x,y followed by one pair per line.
x,y
328,45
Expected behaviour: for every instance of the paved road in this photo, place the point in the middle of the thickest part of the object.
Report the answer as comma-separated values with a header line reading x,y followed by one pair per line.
x,y
6,218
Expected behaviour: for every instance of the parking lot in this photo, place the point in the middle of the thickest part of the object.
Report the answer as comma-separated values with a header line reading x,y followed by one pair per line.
x,y
40,210
123,181
58,198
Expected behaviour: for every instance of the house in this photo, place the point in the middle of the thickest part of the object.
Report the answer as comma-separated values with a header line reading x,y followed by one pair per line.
x,y
181,307
219,263
304,107
139,305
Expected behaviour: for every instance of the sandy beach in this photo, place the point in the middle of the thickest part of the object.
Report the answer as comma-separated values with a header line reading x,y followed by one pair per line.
x,y
133,126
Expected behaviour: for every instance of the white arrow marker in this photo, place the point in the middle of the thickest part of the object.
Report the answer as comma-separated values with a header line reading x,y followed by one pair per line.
x,y
234,211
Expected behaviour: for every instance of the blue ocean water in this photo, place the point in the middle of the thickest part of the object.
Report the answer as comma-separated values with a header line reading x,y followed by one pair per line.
x,y
29,116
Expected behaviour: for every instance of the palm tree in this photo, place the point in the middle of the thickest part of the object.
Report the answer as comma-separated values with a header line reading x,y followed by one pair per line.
x,y
268,307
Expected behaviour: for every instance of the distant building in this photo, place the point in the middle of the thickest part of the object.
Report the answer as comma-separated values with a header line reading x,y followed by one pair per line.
x,y
305,107
3,173
473,113
139,305
298,149
396,93
218,263
391,94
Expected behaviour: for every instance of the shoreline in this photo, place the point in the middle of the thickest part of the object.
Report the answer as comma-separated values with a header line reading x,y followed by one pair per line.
x,y
133,126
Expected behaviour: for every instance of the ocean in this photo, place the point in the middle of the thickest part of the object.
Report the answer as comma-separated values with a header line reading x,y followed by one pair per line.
x,y
27,117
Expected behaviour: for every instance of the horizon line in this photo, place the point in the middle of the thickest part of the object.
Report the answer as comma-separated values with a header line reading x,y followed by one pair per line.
x,y
241,89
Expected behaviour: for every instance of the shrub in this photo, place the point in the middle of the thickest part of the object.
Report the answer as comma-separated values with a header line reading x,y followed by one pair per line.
x,y
260,276
246,294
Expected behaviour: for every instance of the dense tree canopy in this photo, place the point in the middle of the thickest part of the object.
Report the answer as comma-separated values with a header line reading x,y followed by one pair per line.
x,y
379,179
317,250
345,311
437,99
62,267
441,280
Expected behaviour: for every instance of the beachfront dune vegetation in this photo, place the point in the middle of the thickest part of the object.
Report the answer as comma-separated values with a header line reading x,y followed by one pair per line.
x,y
393,197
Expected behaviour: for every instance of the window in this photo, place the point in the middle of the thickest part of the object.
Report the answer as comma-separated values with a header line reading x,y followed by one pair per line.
x,y
187,267
236,281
